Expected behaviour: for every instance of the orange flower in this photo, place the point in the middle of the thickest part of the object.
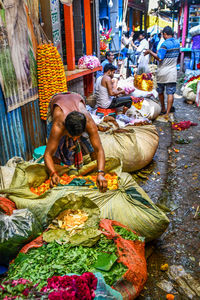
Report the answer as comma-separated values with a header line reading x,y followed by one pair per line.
x,y
170,297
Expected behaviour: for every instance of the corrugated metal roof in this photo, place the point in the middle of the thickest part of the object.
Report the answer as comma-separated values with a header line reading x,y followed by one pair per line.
x,y
21,131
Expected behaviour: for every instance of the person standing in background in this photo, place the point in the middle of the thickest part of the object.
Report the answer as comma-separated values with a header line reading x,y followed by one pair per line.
x,y
144,45
195,55
167,57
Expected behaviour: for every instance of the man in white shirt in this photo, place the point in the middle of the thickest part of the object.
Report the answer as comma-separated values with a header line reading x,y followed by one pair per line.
x,y
143,46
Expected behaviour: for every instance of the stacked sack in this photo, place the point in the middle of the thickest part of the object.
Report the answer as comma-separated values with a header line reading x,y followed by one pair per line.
x,y
51,76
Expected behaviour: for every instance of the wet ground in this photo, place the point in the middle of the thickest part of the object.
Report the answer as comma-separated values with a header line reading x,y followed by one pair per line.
x,y
175,179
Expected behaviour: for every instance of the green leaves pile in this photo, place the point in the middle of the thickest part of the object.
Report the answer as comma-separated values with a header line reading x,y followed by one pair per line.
x,y
128,235
55,259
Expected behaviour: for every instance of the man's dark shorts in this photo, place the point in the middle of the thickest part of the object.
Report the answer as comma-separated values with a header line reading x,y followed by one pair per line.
x,y
170,88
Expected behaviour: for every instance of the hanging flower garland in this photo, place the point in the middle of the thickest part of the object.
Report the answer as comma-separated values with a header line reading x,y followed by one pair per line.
x,y
51,76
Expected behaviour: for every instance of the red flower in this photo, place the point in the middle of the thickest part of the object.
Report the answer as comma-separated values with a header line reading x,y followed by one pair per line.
x,y
26,292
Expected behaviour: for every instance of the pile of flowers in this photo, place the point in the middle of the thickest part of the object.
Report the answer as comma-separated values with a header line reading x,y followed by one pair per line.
x,y
66,287
88,62
51,76
13,289
143,82
71,287
129,90
192,83
105,39
137,102
89,181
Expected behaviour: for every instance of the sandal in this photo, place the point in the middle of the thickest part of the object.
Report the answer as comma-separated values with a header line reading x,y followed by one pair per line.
x,y
172,109
162,113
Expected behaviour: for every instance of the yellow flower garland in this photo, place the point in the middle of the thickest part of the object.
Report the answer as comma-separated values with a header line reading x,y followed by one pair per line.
x,y
51,76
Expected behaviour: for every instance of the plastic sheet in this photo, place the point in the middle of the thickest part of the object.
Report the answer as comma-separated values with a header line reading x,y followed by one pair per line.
x,y
15,231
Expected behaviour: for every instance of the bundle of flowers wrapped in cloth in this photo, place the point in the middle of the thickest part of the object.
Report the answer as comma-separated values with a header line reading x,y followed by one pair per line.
x,y
88,62
143,82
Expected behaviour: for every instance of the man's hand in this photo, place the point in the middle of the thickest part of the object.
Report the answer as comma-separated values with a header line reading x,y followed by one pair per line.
x,y
101,183
148,51
55,180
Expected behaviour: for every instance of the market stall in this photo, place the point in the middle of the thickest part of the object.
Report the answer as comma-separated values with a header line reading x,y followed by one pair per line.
x,y
189,17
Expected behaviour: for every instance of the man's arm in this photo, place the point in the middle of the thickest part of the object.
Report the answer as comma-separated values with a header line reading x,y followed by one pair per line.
x,y
92,130
152,54
52,145
107,82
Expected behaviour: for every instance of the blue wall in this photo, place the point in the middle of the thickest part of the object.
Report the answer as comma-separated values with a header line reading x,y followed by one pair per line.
x,y
21,130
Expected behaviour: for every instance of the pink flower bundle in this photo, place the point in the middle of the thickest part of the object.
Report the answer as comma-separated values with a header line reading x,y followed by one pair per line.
x,y
66,287
72,287
15,287
129,90
88,62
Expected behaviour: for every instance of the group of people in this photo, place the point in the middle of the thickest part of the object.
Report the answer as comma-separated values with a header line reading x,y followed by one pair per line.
x,y
74,133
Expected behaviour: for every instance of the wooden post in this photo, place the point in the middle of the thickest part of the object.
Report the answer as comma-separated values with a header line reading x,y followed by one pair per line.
x,y
88,27
179,27
69,37
184,32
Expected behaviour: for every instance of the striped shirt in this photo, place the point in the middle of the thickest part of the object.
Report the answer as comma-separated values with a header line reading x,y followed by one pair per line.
x,y
168,53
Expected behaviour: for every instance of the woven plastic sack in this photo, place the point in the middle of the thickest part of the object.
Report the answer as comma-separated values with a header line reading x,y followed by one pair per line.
x,y
198,95
135,148
129,205
15,231
132,255
150,109
189,94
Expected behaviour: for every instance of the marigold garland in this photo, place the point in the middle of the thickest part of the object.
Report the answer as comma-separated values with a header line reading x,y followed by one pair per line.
x,y
142,83
112,180
51,76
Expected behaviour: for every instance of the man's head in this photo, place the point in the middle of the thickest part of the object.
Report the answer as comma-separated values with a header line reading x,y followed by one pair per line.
x,y
109,70
75,123
142,35
109,56
167,32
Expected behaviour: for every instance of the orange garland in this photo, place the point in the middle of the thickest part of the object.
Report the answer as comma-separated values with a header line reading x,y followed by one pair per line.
x,y
65,179
51,76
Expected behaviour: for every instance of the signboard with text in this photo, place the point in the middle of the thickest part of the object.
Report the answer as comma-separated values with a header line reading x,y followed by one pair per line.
x,y
56,27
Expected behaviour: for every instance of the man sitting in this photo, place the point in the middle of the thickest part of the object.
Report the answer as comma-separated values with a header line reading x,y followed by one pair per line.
x,y
107,94
109,60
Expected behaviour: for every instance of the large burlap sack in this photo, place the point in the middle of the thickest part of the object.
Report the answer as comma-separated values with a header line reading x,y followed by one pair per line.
x,y
7,171
129,204
150,109
135,148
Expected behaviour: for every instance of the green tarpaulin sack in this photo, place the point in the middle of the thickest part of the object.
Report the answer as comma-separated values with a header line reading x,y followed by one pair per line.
x,y
129,204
